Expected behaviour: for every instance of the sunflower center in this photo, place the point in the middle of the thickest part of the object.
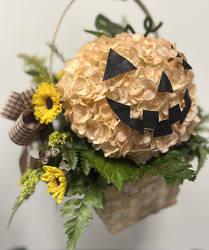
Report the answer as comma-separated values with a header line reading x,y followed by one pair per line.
x,y
49,103
57,181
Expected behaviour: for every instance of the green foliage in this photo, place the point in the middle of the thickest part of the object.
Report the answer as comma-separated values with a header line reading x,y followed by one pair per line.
x,y
14,209
56,52
204,118
85,165
172,165
28,188
76,186
72,158
114,170
79,214
77,143
197,145
96,199
108,28
35,67
202,156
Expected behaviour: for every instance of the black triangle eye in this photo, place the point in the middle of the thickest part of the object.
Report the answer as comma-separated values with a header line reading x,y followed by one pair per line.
x,y
165,84
116,65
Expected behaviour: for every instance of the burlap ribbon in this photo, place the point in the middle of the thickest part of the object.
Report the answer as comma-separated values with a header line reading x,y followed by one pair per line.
x,y
26,128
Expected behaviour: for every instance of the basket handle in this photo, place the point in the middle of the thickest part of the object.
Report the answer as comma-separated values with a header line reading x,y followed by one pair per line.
x,y
138,2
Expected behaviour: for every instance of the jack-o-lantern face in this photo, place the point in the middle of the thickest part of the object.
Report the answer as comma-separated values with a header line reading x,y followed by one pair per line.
x,y
129,96
117,65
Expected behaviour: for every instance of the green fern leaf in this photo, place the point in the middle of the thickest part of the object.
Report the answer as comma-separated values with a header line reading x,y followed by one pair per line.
x,y
74,237
86,211
203,152
80,213
86,167
72,158
96,199
82,218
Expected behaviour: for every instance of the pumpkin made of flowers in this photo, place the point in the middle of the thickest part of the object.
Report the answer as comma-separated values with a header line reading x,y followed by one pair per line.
x,y
130,96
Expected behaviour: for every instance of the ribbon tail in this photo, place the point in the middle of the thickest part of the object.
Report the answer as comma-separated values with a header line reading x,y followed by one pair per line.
x,y
26,160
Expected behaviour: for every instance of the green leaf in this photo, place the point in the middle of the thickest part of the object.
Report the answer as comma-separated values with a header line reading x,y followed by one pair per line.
x,y
97,33
74,202
74,237
70,223
77,143
82,218
108,28
72,158
86,167
55,50
171,165
70,213
203,152
113,170
86,211
102,23
71,230
32,72
81,213
96,199
76,186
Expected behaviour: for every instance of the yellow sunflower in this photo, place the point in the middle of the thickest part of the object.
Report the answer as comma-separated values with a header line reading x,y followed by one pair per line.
x,y
46,102
57,182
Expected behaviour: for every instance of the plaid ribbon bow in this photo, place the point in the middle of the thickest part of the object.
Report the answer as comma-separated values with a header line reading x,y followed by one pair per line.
x,y
26,128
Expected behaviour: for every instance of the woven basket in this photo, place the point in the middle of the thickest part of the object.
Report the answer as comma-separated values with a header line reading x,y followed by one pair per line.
x,y
138,200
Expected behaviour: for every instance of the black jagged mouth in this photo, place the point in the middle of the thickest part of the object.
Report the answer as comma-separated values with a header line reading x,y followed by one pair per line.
x,y
151,118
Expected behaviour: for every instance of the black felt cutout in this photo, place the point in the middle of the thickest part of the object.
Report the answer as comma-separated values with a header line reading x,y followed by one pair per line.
x,y
165,84
150,119
174,114
188,102
123,112
164,128
137,125
186,65
116,65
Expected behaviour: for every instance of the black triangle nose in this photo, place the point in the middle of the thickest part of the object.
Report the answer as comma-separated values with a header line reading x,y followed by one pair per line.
x,y
165,84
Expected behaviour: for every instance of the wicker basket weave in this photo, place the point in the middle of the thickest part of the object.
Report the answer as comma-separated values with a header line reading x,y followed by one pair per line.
x,y
138,200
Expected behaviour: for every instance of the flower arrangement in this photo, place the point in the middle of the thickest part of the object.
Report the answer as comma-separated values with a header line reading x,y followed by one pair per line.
x,y
125,106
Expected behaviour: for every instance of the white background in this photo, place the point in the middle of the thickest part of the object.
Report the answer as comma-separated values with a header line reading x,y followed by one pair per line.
x,y
25,27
